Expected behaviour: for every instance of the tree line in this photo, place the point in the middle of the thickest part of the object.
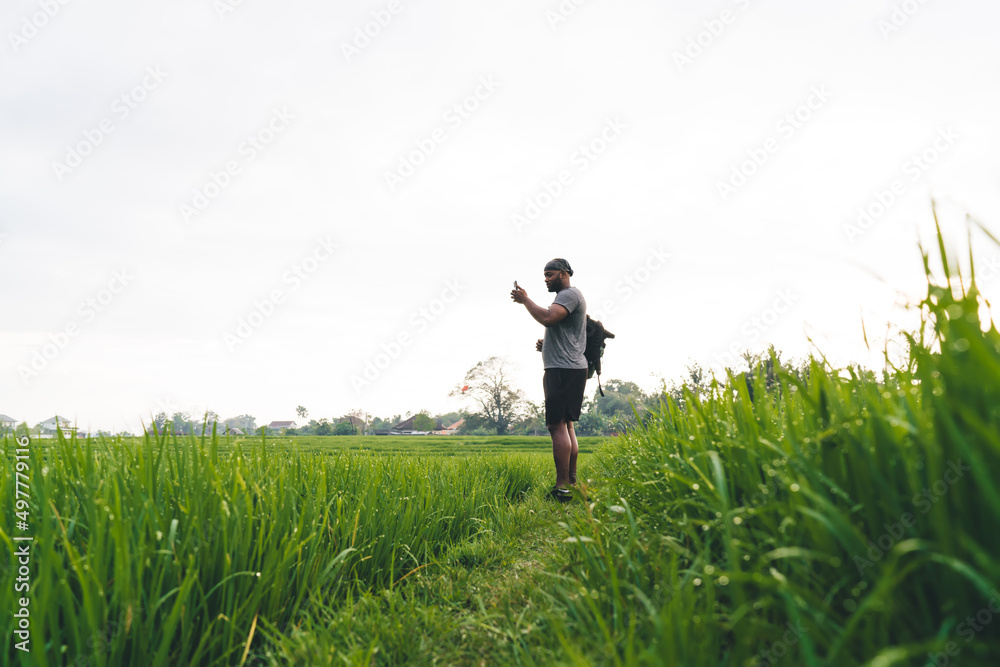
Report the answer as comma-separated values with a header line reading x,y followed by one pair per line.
x,y
494,406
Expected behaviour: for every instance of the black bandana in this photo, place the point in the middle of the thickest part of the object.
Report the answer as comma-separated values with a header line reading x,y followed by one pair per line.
x,y
559,264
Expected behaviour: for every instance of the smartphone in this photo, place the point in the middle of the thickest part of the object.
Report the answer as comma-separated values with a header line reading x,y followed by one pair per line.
x,y
515,285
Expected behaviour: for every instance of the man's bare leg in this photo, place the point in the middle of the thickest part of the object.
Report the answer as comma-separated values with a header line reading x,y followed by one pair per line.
x,y
573,453
562,452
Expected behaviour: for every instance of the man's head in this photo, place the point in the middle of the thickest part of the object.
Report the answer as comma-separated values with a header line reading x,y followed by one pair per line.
x,y
557,272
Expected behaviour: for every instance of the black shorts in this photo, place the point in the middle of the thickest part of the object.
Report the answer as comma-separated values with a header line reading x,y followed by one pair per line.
x,y
564,389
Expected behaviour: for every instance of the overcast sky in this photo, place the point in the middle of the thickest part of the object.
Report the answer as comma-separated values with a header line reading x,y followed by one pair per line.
x,y
239,206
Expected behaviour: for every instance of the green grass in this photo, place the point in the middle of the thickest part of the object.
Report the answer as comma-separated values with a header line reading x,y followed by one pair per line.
x,y
840,517
437,445
831,517
183,550
444,445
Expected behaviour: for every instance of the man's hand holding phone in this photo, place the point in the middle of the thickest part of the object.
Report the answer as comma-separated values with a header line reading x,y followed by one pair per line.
x,y
518,295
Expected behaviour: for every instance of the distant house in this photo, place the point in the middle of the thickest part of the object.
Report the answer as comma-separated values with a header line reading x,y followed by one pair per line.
x,y
451,430
7,423
48,428
405,427
233,431
281,427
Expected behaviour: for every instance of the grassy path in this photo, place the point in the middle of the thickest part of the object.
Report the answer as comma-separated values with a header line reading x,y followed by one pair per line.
x,y
486,602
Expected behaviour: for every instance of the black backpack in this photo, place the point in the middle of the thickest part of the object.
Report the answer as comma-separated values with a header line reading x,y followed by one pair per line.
x,y
594,350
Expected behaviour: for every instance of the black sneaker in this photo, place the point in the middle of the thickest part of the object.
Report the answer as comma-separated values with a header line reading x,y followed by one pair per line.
x,y
562,495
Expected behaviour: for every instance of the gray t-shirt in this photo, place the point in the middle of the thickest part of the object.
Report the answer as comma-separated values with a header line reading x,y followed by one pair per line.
x,y
565,341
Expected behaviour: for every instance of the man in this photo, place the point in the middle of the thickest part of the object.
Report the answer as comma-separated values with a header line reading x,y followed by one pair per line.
x,y
565,376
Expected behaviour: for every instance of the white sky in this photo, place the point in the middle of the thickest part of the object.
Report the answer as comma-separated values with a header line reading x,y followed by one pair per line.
x,y
342,120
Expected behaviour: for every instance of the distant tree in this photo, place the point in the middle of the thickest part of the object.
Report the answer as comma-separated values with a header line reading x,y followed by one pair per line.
x,y
619,396
345,428
323,427
449,418
489,386
423,422
301,412
159,420
246,423
181,423
475,424
360,416
205,425
533,419
592,422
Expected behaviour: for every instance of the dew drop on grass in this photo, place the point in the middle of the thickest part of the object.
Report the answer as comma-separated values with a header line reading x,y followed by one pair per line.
x,y
709,569
737,520
695,486
723,580
794,487
697,581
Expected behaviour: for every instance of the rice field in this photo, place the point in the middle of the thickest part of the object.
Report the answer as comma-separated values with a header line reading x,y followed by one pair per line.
x,y
784,517
438,445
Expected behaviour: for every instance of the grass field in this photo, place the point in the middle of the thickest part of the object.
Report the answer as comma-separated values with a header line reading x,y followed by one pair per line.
x,y
442,445
831,517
